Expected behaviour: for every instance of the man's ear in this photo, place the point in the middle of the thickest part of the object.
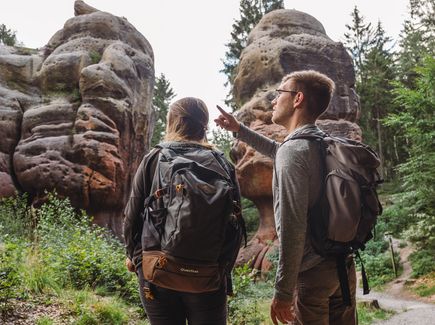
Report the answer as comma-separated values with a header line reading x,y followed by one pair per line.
x,y
298,99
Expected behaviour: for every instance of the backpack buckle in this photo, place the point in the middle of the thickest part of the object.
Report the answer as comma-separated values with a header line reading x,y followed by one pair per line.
x,y
148,294
159,193
161,262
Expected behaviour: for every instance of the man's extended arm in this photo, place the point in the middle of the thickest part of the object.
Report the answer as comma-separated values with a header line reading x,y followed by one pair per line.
x,y
259,142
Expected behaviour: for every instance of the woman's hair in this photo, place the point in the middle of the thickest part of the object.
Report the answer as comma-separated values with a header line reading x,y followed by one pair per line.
x,y
187,121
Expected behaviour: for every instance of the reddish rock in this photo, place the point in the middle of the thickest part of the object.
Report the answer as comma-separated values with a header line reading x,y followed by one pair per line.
x,y
76,115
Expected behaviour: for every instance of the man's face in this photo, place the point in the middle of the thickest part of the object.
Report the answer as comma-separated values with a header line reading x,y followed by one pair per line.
x,y
283,108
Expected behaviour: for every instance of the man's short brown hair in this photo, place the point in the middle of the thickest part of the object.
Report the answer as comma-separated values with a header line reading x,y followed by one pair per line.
x,y
317,88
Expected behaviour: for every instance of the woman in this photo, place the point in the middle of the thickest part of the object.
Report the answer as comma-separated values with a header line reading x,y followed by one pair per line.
x,y
185,136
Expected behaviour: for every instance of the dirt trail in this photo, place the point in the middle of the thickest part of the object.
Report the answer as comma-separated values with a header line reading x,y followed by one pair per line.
x,y
410,309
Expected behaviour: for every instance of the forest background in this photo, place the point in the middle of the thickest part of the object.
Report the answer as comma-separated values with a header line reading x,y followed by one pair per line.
x,y
86,282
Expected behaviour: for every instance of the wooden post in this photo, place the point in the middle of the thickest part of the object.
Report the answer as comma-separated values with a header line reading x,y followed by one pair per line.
x,y
393,261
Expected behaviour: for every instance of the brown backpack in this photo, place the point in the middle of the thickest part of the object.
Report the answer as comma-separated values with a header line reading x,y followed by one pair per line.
x,y
344,217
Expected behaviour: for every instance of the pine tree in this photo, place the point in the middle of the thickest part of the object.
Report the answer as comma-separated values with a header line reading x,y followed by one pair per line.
x,y
251,11
163,94
379,71
374,66
359,40
7,36
417,38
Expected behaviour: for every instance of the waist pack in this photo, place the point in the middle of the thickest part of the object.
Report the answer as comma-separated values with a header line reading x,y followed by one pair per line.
x,y
169,272
192,220
343,219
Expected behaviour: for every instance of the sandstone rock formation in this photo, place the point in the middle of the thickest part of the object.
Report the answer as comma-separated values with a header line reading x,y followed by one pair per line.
x,y
75,116
284,41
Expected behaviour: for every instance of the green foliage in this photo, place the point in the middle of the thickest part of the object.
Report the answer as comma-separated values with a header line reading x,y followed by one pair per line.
x,y
44,320
95,57
80,254
425,286
251,11
368,315
16,218
376,257
75,95
251,216
10,279
397,99
273,256
89,308
223,140
422,262
417,39
163,94
416,123
422,231
359,39
375,69
243,306
36,277
396,214
379,268
7,36
425,291
54,247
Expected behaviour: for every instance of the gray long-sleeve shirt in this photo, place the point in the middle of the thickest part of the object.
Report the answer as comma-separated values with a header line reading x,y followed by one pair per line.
x,y
296,187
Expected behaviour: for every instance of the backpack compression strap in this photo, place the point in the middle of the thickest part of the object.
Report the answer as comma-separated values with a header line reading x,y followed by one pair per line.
x,y
236,203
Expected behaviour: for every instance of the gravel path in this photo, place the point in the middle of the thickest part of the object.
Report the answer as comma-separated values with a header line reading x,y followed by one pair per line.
x,y
409,312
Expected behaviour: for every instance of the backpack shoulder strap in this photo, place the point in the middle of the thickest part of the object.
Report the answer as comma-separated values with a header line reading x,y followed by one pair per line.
x,y
219,156
150,169
237,204
306,136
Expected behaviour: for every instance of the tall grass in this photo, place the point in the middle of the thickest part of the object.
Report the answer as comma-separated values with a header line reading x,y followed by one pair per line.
x,y
55,248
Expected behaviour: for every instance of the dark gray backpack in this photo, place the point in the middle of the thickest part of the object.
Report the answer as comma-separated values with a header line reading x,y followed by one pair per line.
x,y
193,217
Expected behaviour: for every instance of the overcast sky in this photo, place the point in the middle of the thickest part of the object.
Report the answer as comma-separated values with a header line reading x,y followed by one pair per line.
x,y
189,36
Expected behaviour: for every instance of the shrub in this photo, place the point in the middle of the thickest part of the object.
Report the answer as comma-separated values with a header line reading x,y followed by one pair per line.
x,y
16,218
11,255
243,306
379,268
422,263
80,254
251,216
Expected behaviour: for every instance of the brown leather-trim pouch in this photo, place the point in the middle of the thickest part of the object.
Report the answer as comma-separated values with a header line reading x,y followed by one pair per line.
x,y
169,272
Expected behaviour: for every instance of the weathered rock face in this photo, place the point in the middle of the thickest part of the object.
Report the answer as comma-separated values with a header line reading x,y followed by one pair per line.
x,y
284,41
75,117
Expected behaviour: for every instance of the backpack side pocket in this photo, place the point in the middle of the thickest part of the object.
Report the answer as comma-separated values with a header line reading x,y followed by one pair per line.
x,y
344,199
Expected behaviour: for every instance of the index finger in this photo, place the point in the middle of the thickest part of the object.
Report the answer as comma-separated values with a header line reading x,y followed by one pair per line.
x,y
222,111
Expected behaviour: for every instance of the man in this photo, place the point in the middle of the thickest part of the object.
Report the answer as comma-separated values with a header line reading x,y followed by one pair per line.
x,y
304,281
